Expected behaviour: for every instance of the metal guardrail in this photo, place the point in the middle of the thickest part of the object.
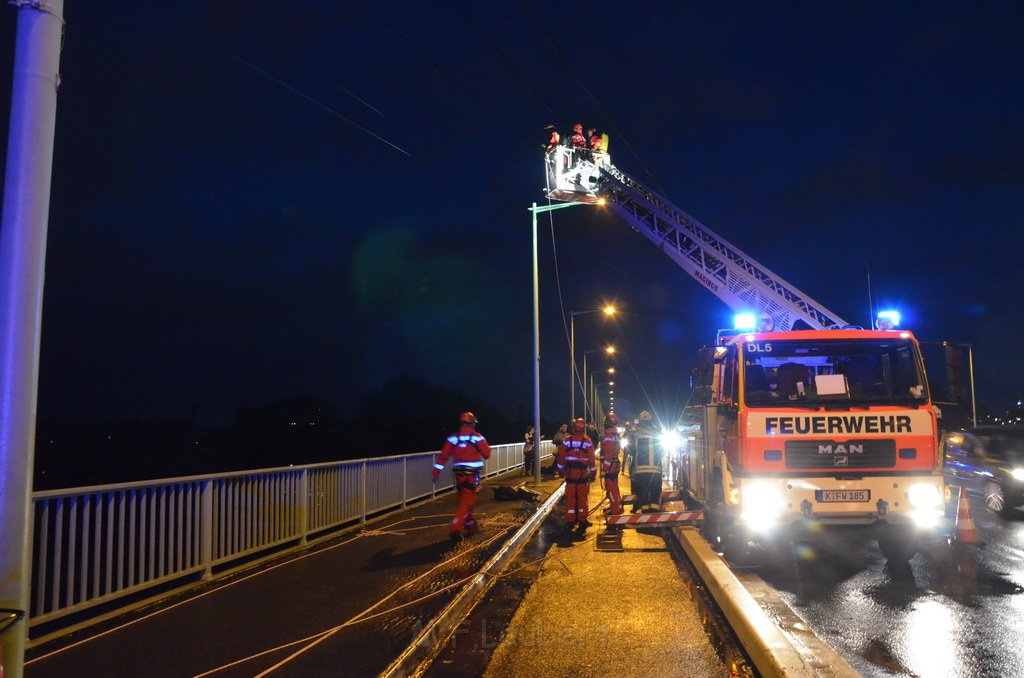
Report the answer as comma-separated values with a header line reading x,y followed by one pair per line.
x,y
95,545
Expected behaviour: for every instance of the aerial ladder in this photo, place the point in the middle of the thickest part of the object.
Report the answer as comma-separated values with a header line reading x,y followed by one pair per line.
x,y
741,282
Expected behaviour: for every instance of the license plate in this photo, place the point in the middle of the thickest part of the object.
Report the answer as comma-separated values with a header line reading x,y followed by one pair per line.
x,y
842,495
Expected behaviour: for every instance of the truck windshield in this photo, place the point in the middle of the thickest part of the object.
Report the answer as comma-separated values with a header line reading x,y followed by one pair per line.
x,y
821,373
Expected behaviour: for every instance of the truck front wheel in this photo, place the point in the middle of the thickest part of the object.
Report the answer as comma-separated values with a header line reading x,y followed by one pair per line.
x,y
719,528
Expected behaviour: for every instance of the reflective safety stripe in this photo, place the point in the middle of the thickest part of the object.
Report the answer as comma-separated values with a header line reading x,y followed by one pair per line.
x,y
439,467
472,464
583,459
455,440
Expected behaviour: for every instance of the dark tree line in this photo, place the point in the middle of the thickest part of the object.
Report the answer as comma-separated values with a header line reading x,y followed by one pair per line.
x,y
405,415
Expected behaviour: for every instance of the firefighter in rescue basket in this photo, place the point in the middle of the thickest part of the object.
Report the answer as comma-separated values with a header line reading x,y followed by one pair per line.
x,y
468,450
575,462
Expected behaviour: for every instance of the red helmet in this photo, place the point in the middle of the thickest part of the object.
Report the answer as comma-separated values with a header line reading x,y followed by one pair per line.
x,y
611,420
467,419
578,426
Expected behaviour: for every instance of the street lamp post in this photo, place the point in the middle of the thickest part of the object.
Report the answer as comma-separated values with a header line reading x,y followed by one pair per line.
x,y
594,399
587,408
597,398
535,210
607,310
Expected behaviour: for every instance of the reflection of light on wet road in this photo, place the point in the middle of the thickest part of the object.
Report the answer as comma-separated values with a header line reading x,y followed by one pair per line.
x,y
930,638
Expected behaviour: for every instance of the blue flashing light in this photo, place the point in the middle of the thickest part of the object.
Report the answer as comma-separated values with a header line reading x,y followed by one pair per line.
x,y
745,321
887,320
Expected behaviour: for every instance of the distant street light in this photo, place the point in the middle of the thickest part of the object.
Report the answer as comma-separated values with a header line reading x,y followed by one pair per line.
x,y
608,310
535,210
609,350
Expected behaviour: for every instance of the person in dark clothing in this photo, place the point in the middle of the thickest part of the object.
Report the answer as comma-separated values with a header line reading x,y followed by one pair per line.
x,y
645,473
529,452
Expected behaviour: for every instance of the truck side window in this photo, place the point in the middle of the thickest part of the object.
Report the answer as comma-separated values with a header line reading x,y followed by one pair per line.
x,y
729,377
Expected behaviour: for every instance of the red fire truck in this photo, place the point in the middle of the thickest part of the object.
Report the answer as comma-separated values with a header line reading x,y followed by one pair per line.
x,y
799,422
808,430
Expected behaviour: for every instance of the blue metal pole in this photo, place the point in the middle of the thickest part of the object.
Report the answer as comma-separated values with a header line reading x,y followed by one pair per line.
x,y
22,261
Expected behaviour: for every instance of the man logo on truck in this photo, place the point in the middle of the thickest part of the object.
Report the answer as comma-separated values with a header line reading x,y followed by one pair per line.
x,y
840,449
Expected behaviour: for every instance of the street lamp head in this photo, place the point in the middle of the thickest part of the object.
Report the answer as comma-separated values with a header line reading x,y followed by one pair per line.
x,y
611,370
610,350
609,310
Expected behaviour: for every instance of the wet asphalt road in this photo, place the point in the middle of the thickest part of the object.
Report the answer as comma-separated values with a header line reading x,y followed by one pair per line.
x,y
950,613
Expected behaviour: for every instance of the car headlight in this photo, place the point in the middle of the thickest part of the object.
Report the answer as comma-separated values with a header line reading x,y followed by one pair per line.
x,y
924,495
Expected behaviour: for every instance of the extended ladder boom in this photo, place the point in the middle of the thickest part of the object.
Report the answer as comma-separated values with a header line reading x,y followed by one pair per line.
x,y
730,274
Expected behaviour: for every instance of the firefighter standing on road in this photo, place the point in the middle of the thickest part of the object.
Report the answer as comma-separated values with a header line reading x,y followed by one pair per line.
x,y
468,449
610,467
575,462
645,473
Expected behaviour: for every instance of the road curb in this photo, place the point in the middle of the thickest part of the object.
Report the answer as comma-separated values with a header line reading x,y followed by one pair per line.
x,y
772,651
415,658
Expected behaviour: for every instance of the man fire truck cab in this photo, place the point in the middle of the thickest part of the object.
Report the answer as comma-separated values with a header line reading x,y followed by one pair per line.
x,y
800,424
802,430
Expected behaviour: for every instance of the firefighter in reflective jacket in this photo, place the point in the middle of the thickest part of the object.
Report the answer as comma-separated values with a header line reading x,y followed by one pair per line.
x,y
610,467
553,138
645,473
467,449
575,462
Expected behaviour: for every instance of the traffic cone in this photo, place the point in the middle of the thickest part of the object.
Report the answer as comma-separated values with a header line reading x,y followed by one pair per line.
x,y
966,533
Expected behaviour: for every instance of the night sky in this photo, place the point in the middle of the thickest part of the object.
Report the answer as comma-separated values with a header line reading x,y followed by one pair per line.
x,y
253,201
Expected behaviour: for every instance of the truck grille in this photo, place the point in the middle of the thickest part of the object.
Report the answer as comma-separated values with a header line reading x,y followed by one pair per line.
x,y
829,454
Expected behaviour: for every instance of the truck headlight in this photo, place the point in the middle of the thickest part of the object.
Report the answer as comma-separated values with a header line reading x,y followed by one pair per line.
x,y
926,503
923,495
762,504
